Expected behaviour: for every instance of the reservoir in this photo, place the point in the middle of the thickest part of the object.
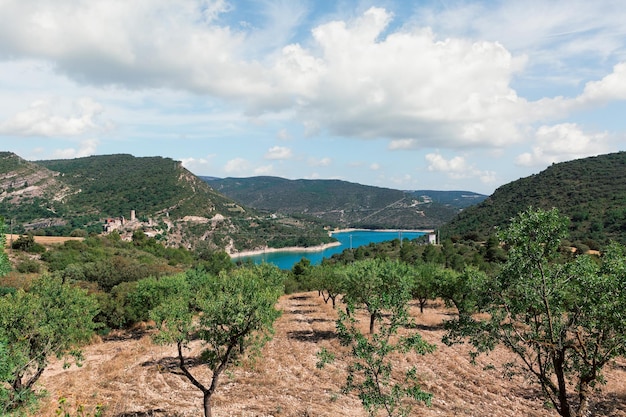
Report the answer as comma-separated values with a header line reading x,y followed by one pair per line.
x,y
348,239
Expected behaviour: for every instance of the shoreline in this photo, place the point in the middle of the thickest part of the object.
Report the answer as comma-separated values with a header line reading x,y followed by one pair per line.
x,y
318,248
254,252
381,230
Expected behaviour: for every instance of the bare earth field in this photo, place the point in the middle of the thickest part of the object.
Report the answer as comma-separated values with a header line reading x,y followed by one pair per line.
x,y
131,376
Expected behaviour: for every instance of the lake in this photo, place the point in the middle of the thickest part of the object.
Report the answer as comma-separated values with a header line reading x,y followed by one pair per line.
x,y
350,239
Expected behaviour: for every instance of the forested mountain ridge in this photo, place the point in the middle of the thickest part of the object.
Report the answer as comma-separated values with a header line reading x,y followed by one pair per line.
x,y
590,191
347,204
59,196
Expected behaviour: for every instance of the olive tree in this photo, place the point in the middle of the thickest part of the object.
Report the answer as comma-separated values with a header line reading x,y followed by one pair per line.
x,y
376,285
236,315
370,369
52,318
562,318
329,281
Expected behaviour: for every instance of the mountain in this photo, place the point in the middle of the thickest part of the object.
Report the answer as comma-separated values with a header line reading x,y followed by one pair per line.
x,y
590,191
346,204
123,192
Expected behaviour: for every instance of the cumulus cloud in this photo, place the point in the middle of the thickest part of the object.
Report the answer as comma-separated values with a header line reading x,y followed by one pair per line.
x,y
457,168
49,119
563,142
200,166
278,152
237,166
353,77
86,148
264,170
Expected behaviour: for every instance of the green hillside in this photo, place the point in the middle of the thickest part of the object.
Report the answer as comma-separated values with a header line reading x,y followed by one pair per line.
x,y
346,204
591,191
58,197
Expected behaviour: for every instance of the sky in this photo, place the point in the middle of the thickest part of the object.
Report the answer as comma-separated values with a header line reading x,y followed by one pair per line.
x,y
443,95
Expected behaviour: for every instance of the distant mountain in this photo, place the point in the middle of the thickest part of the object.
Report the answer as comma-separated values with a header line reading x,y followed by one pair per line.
x,y
346,204
168,201
591,191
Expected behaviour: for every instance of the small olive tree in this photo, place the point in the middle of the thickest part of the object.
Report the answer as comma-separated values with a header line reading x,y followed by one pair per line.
x,y
563,319
52,318
236,315
370,366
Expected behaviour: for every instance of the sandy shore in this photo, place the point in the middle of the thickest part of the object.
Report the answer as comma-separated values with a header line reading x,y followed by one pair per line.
x,y
317,248
382,230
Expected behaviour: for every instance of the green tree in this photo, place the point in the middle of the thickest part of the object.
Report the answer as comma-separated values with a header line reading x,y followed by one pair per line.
x,y
330,281
424,283
376,285
51,319
562,319
5,264
370,372
237,312
462,289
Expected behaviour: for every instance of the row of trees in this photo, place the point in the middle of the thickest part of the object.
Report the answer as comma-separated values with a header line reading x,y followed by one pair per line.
x,y
561,316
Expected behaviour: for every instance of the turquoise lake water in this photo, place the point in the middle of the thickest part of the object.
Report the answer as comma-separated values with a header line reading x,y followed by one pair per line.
x,y
354,239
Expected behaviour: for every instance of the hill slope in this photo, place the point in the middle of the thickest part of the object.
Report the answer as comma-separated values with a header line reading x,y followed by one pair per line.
x,y
58,196
591,191
346,204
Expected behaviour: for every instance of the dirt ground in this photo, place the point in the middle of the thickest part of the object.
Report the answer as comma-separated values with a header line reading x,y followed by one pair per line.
x,y
130,376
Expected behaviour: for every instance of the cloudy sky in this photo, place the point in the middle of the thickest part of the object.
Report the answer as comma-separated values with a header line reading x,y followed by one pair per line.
x,y
449,95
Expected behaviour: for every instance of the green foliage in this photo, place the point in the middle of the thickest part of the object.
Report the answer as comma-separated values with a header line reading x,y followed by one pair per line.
x,y
237,312
26,243
562,318
28,266
376,285
462,289
590,191
51,319
330,281
5,264
345,204
370,372
108,261
423,284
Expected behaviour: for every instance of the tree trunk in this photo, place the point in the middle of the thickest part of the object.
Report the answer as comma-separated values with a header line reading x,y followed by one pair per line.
x,y
558,361
583,397
372,322
207,404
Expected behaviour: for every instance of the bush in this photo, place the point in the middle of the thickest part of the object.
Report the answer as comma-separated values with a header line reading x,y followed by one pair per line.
x,y
29,266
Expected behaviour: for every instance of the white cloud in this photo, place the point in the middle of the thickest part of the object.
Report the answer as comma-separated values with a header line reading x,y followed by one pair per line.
x,y
264,170
278,152
49,118
458,168
323,162
611,87
199,166
402,144
563,142
237,166
86,148
374,166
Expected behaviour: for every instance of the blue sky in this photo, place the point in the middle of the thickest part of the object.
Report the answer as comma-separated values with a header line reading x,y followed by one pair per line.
x,y
448,95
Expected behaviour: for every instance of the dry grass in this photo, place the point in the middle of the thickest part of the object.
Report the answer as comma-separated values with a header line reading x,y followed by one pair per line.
x,y
43,240
133,377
